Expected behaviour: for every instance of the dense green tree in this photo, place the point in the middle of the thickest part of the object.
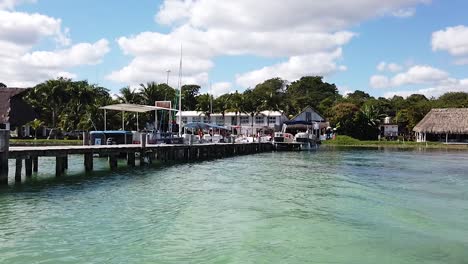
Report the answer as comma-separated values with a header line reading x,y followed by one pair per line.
x,y
270,93
453,99
204,104
189,96
309,91
222,104
358,97
343,115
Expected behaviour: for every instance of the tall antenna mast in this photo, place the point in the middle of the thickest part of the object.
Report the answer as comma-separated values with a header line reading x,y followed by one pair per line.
x,y
180,92
211,99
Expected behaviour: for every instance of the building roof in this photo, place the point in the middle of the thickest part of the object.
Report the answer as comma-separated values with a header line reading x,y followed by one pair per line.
x,y
442,121
5,95
305,110
199,113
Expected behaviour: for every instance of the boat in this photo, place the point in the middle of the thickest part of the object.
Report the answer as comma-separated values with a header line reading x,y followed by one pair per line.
x,y
296,135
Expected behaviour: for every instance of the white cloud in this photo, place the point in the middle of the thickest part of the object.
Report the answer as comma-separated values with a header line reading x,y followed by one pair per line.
x,y
298,30
22,66
221,88
34,67
266,15
25,29
454,40
293,69
379,81
344,90
429,81
391,67
418,74
435,91
79,54
404,12
10,4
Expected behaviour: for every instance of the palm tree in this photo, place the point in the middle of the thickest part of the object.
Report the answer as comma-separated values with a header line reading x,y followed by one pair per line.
x,y
203,105
36,124
129,96
222,104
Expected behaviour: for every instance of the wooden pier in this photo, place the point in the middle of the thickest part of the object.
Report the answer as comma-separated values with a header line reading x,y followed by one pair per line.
x,y
146,153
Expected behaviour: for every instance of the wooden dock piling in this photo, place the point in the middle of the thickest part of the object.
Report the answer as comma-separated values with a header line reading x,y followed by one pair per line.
x,y
35,160
131,159
28,164
19,168
88,162
4,147
113,161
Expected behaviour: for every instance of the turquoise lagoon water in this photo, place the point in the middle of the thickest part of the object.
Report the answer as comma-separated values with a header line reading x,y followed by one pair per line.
x,y
328,206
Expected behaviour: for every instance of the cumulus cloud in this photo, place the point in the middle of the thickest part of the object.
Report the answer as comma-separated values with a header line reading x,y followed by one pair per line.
x,y
266,15
453,40
298,30
391,67
37,66
404,12
10,4
25,29
21,66
418,74
221,88
428,80
293,69
452,85
379,81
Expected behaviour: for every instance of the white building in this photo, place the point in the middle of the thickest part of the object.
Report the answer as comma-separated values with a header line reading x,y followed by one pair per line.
x,y
242,122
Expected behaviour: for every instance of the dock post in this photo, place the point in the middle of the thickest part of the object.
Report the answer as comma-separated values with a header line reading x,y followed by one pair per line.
x,y
143,146
131,159
88,162
143,140
35,160
85,139
4,147
65,162
19,167
112,161
59,166
28,163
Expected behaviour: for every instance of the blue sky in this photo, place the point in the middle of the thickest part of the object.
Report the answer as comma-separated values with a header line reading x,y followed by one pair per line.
x,y
401,47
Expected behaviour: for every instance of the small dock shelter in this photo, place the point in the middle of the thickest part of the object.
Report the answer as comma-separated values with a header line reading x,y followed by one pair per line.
x,y
449,125
308,116
136,108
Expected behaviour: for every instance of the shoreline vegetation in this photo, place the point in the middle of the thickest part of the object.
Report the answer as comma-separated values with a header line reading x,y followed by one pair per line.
x,y
67,105
346,141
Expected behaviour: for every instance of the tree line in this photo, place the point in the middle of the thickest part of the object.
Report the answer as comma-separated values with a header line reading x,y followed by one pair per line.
x,y
74,105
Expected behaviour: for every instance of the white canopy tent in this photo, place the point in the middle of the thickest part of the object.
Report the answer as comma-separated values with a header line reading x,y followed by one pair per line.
x,y
135,108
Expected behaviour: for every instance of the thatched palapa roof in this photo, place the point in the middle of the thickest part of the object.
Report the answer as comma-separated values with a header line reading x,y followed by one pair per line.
x,y
12,107
444,121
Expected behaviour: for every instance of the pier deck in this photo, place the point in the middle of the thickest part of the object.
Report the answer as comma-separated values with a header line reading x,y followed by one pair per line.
x,y
146,153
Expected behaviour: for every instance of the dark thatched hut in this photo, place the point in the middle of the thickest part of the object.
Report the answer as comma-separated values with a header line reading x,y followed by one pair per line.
x,y
448,124
14,111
